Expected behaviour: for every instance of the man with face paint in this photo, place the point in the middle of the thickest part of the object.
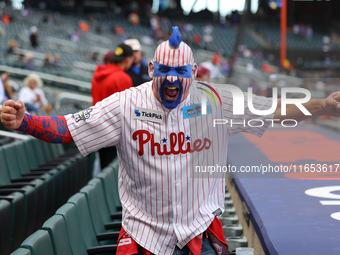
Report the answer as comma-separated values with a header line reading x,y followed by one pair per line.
x,y
173,71
161,137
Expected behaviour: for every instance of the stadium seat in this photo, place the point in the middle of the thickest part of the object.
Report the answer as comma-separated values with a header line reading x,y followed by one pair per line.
x,y
5,173
74,230
43,184
97,200
5,229
83,213
231,230
39,243
236,241
57,230
229,212
229,219
91,238
73,225
17,230
111,191
21,251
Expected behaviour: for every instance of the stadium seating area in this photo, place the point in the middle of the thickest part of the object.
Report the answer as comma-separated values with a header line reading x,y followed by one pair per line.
x,y
271,32
89,222
55,38
49,202
36,178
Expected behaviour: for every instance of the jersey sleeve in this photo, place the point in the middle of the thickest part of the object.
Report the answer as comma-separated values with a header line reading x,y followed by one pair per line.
x,y
96,127
247,122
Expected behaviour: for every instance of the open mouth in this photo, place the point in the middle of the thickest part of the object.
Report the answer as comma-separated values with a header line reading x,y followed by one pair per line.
x,y
171,92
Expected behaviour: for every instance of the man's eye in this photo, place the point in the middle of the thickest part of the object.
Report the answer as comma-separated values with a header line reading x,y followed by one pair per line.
x,y
181,70
163,69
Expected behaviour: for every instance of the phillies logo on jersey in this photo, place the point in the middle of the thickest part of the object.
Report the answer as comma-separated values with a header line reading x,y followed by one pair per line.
x,y
183,143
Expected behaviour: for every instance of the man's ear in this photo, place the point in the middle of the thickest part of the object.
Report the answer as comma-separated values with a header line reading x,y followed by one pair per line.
x,y
194,71
151,69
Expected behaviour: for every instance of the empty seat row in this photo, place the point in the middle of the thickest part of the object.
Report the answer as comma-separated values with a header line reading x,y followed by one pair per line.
x,y
89,223
35,179
86,224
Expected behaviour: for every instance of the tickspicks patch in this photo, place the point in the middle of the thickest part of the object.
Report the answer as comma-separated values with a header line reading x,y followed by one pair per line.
x,y
148,115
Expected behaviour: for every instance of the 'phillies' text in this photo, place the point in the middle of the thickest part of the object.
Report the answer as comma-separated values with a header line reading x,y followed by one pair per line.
x,y
144,137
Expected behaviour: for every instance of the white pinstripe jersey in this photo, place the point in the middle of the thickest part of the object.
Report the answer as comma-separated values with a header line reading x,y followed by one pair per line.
x,y
164,202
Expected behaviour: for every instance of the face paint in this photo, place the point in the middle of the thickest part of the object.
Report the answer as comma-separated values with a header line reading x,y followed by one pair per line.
x,y
174,71
171,93
180,71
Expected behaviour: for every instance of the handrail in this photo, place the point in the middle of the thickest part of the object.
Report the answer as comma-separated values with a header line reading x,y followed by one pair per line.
x,y
47,77
62,95
14,135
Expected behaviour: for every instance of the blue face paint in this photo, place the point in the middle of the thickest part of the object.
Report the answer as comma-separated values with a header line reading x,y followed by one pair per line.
x,y
180,71
169,103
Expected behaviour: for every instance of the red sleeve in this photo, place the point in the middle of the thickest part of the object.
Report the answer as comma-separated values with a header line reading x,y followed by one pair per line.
x,y
52,129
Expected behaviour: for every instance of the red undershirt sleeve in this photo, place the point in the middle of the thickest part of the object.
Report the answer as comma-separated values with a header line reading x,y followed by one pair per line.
x,y
52,129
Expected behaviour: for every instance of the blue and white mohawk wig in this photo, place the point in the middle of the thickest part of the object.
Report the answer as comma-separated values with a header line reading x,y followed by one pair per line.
x,y
175,39
172,53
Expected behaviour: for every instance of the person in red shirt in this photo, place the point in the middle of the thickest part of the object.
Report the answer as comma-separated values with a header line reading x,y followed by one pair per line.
x,y
109,79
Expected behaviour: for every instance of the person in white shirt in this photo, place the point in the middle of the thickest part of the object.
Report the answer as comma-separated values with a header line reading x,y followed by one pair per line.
x,y
32,94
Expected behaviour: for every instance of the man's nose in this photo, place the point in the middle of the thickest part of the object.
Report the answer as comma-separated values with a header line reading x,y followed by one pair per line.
x,y
172,78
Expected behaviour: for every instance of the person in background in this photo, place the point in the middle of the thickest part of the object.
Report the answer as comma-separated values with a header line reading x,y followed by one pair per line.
x,y
56,62
203,74
48,61
33,96
138,71
108,56
213,67
29,61
2,88
109,79
9,92
12,46
34,36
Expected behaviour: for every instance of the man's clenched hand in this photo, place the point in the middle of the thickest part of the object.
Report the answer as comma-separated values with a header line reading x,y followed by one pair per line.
x,y
332,104
12,114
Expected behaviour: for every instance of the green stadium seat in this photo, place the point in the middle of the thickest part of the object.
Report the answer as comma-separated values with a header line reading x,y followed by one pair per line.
x,y
76,237
111,176
88,230
111,191
29,193
5,173
57,230
5,229
17,230
21,251
73,225
35,199
39,154
83,213
101,217
39,243
44,183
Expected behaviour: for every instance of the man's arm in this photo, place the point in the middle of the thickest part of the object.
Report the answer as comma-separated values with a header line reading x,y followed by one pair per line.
x,y
317,107
52,129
